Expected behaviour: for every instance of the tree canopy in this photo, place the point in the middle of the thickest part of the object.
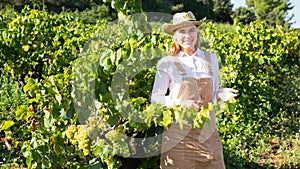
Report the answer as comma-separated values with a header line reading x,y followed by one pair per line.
x,y
223,10
244,15
271,11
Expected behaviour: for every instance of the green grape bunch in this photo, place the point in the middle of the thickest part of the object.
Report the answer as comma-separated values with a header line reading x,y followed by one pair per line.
x,y
79,137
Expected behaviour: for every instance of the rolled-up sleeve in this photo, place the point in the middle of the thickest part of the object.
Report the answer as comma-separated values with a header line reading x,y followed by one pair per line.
x,y
160,88
162,83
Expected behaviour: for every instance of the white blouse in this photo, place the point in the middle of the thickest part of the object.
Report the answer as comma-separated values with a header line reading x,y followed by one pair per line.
x,y
168,76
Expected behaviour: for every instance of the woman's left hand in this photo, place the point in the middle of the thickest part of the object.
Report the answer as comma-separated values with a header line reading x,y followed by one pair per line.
x,y
226,94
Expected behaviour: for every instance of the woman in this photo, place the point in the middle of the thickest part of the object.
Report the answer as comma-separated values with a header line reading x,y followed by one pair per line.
x,y
189,77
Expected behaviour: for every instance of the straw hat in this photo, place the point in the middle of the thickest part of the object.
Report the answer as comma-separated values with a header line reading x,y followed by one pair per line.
x,y
181,20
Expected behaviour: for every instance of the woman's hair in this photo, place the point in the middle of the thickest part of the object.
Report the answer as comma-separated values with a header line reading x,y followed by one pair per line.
x,y
175,47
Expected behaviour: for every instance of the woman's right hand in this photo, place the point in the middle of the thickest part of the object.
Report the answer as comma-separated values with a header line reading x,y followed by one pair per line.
x,y
191,103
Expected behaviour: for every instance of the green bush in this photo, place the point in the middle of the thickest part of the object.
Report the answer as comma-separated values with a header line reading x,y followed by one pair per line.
x,y
11,96
263,64
39,44
95,15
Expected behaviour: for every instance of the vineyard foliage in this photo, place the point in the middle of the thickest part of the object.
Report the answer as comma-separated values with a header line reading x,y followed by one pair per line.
x,y
263,64
37,44
76,95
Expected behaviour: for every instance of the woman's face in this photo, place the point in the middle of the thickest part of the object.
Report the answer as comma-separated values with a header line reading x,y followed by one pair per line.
x,y
186,36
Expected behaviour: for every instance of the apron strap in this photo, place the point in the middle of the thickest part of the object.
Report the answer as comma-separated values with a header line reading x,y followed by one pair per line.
x,y
179,66
208,60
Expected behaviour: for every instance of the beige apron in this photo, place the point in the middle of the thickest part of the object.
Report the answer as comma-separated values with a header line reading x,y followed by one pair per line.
x,y
192,148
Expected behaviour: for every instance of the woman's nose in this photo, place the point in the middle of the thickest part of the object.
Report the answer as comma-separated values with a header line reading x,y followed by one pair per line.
x,y
186,35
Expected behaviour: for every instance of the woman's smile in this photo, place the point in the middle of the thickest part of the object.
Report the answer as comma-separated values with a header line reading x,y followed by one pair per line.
x,y
188,42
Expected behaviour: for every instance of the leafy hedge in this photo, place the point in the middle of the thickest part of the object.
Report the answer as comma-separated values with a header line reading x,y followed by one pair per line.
x,y
263,64
73,111
40,44
37,48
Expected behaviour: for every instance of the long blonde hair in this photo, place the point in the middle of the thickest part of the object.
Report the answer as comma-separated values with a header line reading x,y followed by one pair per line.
x,y
176,48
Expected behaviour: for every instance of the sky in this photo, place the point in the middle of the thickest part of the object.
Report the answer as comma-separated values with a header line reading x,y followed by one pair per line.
x,y
295,10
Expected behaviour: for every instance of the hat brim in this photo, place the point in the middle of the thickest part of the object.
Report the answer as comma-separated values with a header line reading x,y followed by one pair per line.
x,y
169,28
